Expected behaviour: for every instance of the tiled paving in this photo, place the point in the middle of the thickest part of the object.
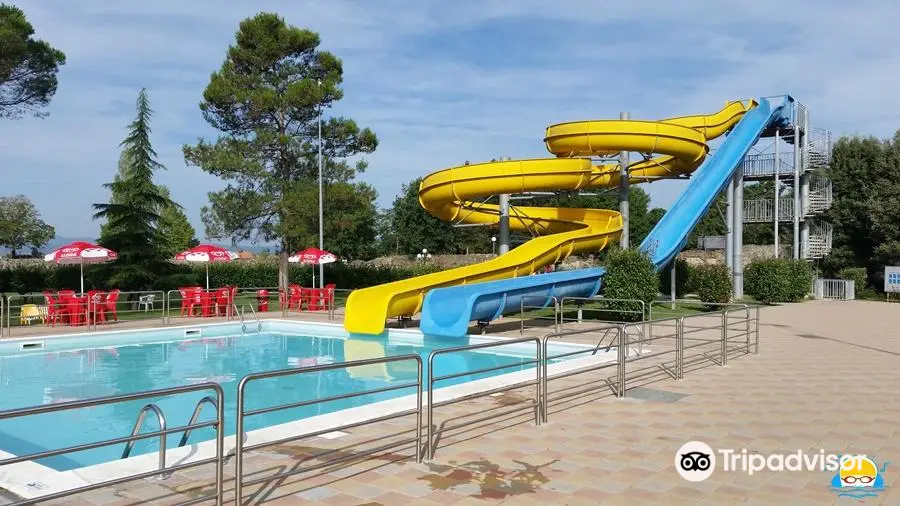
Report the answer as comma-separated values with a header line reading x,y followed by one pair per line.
x,y
826,378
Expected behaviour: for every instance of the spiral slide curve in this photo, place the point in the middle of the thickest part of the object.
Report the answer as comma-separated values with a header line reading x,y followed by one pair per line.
x,y
450,195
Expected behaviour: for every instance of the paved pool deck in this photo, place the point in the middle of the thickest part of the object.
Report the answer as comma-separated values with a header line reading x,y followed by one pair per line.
x,y
827,377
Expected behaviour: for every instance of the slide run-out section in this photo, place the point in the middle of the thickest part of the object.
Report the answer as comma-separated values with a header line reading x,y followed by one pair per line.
x,y
450,299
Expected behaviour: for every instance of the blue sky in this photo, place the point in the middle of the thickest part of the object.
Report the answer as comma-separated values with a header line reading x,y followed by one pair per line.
x,y
442,82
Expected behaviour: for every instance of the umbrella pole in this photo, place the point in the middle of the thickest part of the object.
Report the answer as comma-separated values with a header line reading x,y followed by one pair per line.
x,y
207,275
314,275
82,277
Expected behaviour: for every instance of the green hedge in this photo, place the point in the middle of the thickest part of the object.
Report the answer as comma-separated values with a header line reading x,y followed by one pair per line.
x,y
35,278
778,280
857,274
711,283
682,278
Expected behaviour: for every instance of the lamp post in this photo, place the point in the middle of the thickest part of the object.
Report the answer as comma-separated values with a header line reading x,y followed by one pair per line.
x,y
493,245
321,207
424,255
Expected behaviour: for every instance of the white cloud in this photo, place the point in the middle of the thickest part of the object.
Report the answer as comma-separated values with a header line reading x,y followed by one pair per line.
x,y
418,74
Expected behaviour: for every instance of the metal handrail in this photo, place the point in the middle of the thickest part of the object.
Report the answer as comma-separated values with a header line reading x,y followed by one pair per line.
x,y
219,423
546,357
240,447
522,307
580,301
197,409
506,342
240,316
161,419
255,315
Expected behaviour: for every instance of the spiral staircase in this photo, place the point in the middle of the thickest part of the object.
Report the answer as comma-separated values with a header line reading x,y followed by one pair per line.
x,y
815,189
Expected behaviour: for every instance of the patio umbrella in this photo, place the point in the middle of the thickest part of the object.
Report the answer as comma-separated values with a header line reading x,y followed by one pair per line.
x,y
80,252
312,256
207,253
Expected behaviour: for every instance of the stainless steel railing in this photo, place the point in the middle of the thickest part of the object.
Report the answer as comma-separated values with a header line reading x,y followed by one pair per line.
x,y
537,307
240,316
712,337
640,307
255,316
432,379
241,447
139,422
614,329
218,423
197,410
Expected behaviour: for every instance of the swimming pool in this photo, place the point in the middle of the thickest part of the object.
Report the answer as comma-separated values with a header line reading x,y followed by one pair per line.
x,y
88,366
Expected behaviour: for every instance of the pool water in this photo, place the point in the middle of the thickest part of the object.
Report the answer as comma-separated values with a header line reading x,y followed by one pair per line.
x,y
37,377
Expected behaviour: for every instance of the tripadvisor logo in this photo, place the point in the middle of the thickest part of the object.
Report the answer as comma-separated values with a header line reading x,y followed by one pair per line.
x,y
696,461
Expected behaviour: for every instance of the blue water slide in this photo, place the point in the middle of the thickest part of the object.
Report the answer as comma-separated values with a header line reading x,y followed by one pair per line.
x,y
448,311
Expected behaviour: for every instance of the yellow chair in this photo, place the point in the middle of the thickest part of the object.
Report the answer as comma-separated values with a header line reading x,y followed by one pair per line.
x,y
32,312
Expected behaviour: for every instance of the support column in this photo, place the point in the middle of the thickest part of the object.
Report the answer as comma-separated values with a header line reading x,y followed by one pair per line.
x,y
672,281
804,225
804,190
777,181
623,191
738,233
729,226
798,161
503,236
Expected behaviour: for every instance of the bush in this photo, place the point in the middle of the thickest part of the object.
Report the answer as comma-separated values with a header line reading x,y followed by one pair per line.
x,y
778,280
712,283
630,274
683,273
856,274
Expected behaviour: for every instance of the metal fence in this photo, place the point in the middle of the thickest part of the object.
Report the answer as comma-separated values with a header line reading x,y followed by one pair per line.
x,y
162,469
834,289
241,447
83,313
22,314
606,337
534,309
338,304
432,379
579,309
644,351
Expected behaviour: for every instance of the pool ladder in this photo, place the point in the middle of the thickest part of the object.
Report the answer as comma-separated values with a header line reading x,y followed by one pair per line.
x,y
161,419
240,315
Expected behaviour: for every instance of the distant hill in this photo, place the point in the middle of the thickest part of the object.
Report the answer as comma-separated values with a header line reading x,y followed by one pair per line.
x,y
60,241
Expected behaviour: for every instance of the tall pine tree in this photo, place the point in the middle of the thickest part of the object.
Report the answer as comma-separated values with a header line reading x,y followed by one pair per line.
x,y
134,211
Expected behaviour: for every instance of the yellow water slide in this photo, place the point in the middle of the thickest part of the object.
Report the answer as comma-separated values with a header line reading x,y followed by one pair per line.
x,y
451,195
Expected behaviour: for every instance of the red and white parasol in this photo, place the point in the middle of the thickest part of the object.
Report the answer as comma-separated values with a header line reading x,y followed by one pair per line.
x,y
207,253
312,256
80,252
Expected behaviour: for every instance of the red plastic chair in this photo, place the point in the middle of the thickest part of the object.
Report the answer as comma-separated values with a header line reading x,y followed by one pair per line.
x,y
73,308
222,302
296,297
97,301
53,313
112,299
314,299
185,293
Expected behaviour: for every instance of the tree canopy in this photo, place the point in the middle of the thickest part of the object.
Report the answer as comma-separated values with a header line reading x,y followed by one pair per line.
x,y
28,66
266,100
865,213
175,230
21,225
